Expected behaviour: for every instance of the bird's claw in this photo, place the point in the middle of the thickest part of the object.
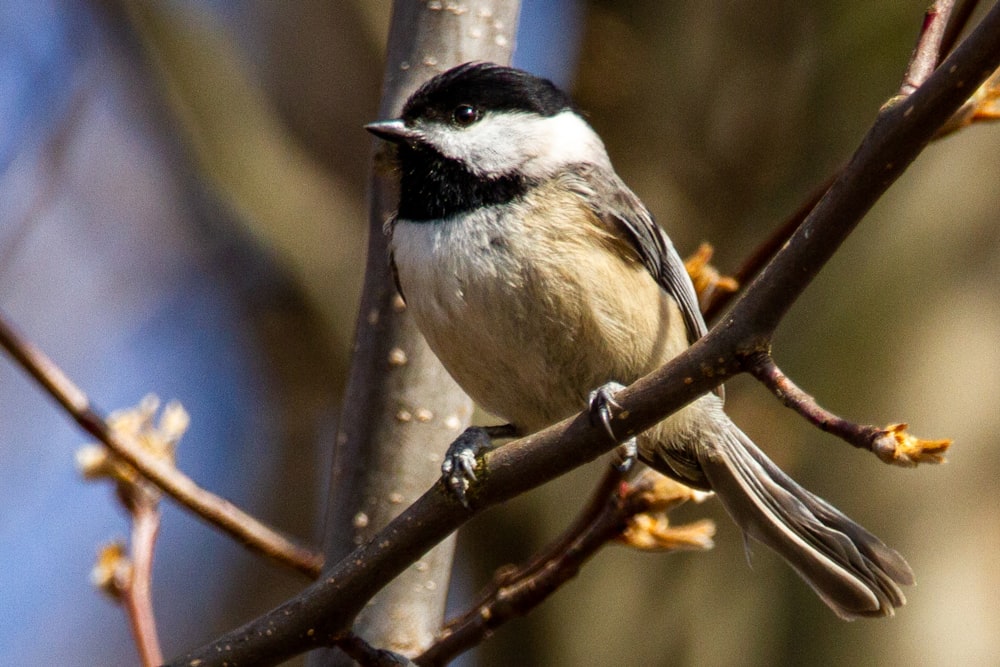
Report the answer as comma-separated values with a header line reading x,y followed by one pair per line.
x,y
625,455
601,401
458,470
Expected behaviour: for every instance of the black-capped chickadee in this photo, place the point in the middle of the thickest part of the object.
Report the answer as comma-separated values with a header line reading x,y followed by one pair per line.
x,y
537,276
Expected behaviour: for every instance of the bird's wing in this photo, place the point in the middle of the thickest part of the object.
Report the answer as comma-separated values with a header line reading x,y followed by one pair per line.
x,y
619,208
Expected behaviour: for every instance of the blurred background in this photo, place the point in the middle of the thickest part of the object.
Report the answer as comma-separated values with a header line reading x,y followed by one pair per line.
x,y
181,212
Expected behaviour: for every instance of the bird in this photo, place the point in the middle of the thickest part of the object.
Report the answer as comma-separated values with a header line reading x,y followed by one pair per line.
x,y
543,285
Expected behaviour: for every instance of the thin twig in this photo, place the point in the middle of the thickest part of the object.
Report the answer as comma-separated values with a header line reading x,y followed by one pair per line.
x,y
125,572
217,511
602,519
795,398
515,591
927,53
138,594
891,444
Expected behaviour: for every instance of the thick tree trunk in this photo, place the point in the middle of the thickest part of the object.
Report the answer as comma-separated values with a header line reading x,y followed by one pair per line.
x,y
401,408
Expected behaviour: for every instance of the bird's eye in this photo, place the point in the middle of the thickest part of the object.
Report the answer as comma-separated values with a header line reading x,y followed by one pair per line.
x,y
465,115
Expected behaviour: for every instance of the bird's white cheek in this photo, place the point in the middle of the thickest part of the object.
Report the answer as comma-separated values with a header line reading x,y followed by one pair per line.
x,y
488,151
496,145
509,143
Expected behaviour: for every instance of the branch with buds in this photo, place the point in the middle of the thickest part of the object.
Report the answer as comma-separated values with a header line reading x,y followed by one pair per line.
x,y
125,573
157,470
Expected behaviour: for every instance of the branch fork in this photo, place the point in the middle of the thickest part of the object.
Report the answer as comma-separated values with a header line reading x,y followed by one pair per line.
x,y
125,573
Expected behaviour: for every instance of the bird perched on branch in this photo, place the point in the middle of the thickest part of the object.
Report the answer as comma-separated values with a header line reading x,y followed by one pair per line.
x,y
541,282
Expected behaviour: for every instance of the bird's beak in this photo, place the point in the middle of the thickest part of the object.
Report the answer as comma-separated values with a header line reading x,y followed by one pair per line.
x,y
394,130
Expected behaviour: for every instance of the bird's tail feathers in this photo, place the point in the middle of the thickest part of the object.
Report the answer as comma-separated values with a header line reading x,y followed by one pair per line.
x,y
853,571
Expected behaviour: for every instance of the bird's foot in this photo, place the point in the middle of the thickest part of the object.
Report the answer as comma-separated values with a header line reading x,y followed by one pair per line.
x,y
625,455
602,401
458,470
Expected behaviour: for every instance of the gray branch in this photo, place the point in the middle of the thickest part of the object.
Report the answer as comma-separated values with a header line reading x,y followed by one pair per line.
x,y
402,408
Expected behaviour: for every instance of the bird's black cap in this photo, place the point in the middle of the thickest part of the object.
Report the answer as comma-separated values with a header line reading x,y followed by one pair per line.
x,y
487,86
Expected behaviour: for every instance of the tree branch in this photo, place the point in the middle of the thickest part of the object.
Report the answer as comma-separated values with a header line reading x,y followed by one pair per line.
x,y
892,444
125,573
513,593
138,597
217,511
901,130
960,16
927,53
517,590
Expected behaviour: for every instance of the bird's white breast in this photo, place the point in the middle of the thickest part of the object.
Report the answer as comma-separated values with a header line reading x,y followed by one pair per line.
x,y
528,309
465,290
